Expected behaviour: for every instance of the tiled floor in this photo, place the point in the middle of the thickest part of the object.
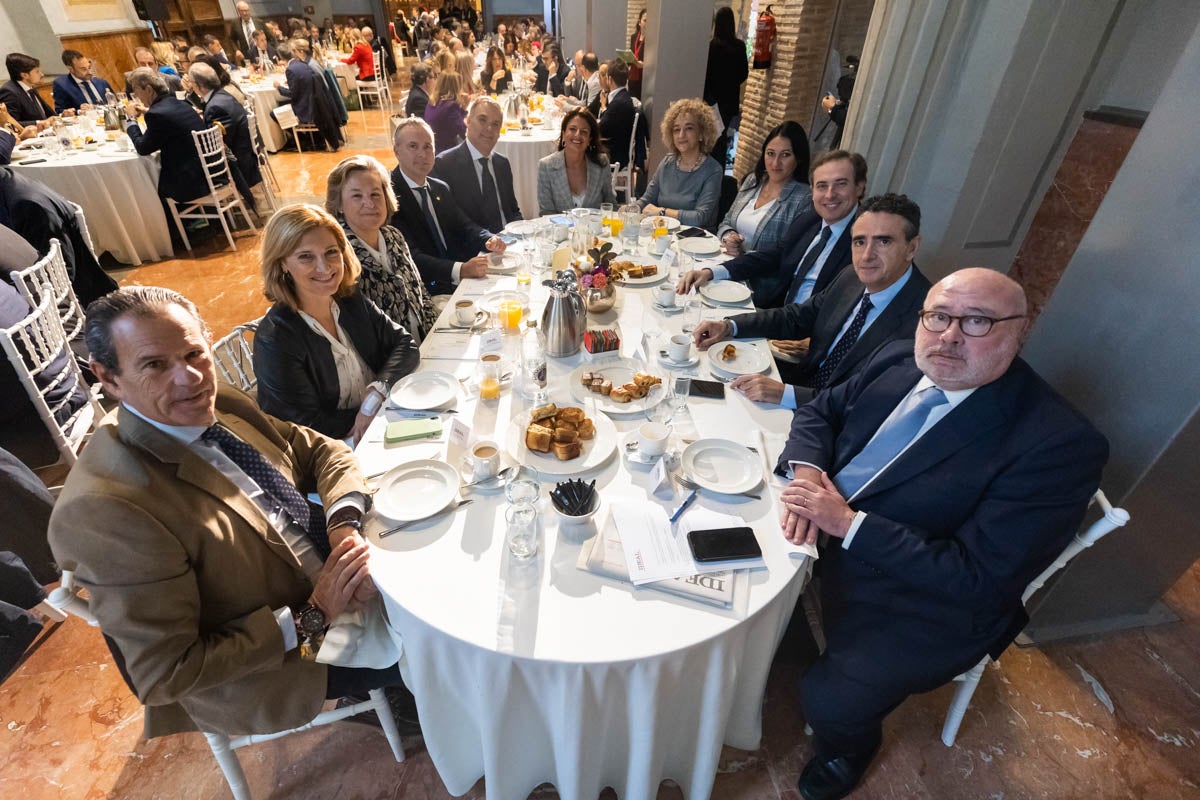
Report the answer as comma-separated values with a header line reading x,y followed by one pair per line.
x,y
1115,717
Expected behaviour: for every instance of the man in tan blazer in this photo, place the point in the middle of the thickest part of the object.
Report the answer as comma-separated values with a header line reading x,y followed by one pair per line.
x,y
204,583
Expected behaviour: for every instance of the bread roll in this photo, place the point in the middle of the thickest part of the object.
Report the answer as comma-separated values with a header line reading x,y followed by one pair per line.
x,y
571,414
587,429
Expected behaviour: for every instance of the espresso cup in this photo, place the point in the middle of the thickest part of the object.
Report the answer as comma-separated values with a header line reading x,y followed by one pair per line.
x,y
665,295
679,348
464,312
652,438
484,460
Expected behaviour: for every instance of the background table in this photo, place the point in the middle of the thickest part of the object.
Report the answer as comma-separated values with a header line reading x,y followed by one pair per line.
x,y
527,672
265,98
523,153
119,196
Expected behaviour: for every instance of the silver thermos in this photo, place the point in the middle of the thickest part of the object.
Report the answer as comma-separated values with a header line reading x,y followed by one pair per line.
x,y
565,318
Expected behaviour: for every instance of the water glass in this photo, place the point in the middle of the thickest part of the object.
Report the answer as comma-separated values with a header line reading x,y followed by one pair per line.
x,y
521,486
691,311
521,530
681,386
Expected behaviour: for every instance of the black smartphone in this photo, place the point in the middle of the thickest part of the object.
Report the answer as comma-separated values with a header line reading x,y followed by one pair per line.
x,y
688,233
713,389
33,161
724,544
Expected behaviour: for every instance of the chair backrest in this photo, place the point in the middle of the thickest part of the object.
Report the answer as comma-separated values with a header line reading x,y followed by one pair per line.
x,y
252,122
34,346
235,357
49,277
1113,518
210,145
380,76
81,221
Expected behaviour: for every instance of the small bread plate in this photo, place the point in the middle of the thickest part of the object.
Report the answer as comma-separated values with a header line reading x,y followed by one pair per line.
x,y
424,391
674,309
416,490
511,263
594,451
491,301
726,293
699,245
749,358
620,371
670,223
665,359
721,466
522,227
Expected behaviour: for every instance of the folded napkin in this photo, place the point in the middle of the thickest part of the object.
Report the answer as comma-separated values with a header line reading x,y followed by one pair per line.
x,y
362,639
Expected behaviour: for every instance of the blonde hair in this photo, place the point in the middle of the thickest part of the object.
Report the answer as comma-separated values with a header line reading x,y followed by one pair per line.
x,y
444,61
701,113
280,239
464,65
164,54
448,85
342,173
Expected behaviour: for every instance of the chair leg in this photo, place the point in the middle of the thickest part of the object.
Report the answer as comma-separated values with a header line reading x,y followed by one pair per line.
x,y
187,245
225,225
227,760
962,699
296,133
388,721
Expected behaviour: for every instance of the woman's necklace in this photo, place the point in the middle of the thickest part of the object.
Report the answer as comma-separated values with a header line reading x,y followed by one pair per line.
x,y
694,165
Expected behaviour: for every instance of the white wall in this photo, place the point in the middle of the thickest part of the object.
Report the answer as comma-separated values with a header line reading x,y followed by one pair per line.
x,y
1163,30
27,31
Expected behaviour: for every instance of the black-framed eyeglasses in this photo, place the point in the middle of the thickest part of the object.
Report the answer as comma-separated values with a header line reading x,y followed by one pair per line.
x,y
974,325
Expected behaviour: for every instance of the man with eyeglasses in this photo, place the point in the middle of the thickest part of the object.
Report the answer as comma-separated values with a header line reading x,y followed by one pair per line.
x,y
947,476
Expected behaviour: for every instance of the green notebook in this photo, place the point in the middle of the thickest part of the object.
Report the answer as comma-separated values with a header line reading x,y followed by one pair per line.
x,y
406,429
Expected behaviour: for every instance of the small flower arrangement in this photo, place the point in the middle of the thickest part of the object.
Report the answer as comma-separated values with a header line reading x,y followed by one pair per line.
x,y
596,272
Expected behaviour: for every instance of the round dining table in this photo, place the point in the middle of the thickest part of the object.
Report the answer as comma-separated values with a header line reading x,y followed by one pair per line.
x,y
118,192
524,149
537,671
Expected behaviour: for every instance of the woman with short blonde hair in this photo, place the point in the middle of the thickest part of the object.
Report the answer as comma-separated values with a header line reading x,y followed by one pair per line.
x,y
325,356
687,183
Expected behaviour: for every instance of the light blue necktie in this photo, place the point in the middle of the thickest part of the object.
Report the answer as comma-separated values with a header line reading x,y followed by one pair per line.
x,y
888,441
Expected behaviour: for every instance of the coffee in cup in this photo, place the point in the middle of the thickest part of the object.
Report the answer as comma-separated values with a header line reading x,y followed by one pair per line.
x,y
652,438
665,295
679,348
484,460
464,312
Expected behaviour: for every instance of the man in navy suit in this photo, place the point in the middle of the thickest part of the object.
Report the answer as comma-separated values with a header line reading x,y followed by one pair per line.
x,y
815,248
169,126
218,105
79,89
308,93
20,93
445,244
480,179
418,96
616,123
947,476
862,309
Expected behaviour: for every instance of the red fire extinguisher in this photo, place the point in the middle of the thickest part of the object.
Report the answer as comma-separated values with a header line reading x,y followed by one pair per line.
x,y
764,39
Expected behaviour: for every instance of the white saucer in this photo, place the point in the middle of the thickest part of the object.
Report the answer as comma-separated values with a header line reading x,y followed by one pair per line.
x,y
667,361
675,309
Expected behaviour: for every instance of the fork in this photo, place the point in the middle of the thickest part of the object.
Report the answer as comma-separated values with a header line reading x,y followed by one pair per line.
x,y
411,522
688,483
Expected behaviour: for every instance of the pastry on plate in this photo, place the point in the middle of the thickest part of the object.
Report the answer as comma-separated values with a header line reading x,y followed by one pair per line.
x,y
729,353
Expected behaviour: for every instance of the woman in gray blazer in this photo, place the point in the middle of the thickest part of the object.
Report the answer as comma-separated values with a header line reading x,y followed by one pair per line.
x,y
577,176
771,196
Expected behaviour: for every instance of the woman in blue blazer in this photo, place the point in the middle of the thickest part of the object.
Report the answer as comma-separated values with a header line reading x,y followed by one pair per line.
x,y
771,197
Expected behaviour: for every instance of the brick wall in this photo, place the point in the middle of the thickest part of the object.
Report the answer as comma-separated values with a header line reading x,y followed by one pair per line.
x,y
789,89
633,9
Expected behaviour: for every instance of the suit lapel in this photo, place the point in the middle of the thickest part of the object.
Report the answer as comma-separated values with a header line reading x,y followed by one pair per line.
x,y
194,470
885,327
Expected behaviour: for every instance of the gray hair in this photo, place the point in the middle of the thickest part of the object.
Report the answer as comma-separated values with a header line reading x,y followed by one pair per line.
x,y
481,100
284,50
143,302
405,122
142,77
204,76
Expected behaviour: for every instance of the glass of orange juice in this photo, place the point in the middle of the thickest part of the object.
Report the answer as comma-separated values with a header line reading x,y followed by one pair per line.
x,y
489,376
511,312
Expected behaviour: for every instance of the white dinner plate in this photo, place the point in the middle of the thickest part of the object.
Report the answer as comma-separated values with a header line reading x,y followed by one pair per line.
x,y
749,358
657,277
491,301
594,451
619,371
699,245
422,391
726,293
521,227
720,465
512,263
670,223
416,490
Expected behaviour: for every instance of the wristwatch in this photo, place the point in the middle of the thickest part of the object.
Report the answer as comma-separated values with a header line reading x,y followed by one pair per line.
x,y
346,515
662,212
310,630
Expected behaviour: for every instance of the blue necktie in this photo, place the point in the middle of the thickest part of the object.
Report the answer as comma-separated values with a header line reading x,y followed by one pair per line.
x,y
272,481
889,440
434,230
806,263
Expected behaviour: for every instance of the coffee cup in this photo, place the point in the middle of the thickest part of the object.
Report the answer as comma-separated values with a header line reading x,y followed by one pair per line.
x,y
658,245
464,312
483,460
679,348
665,295
652,438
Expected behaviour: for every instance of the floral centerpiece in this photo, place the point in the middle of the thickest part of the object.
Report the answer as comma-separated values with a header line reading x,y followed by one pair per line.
x,y
595,278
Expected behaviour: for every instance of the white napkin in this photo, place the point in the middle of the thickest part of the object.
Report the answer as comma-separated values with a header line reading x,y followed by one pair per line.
x,y
361,639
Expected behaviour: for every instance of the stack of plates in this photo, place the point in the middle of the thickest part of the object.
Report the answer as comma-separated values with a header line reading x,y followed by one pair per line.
x,y
749,358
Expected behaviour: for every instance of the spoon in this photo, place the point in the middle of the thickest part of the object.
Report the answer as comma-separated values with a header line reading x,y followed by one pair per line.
x,y
502,475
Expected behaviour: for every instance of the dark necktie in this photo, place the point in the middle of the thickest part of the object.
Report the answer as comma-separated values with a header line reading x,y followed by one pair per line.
x,y
434,230
39,113
888,441
272,481
844,344
806,263
493,220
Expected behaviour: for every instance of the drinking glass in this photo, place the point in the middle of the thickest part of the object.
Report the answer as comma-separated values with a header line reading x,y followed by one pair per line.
x,y
681,386
658,405
691,311
581,241
606,215
521,530
521,485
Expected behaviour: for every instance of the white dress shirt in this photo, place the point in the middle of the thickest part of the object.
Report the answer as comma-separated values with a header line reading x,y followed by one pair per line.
x,y
354,376
475,156
456,270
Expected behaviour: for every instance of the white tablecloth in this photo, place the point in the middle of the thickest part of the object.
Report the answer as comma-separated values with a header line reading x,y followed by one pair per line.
x,y
534,672
524,152
119,196
265,98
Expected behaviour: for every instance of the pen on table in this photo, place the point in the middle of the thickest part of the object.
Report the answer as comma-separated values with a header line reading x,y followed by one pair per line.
x,y
687,501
